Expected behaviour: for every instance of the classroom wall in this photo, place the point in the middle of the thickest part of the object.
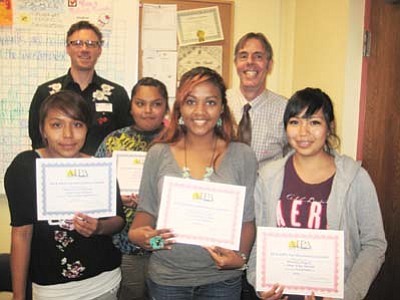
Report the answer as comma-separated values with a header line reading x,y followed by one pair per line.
x,y
259,16
5,229
319,58
5,236
352,85
316,43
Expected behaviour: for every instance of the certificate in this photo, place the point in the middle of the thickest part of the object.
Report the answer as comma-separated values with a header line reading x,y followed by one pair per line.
x,y
202,213
68,185
129,170
303,260
195,56
200,25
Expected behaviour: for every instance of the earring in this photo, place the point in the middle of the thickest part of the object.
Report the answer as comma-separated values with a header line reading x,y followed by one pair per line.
x,y
219,123
180,121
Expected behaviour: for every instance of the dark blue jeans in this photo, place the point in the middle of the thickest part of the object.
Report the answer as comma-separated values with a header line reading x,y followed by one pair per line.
x,y
223,290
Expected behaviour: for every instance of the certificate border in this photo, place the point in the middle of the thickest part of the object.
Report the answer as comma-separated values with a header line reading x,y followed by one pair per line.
x,y
319,234
190,184
45,164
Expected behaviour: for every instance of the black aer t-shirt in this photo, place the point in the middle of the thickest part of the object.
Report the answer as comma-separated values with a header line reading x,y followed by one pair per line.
x,y
302,205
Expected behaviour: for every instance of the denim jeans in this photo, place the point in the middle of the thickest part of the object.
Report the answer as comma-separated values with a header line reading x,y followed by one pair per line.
x,y
134,274
227,290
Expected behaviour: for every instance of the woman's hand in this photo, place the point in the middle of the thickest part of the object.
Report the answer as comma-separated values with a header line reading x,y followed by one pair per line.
x,y
275,293
146,235
130,200
312,297
86,225
226,258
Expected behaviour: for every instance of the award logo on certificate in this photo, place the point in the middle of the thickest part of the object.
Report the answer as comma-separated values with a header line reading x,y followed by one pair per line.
x,y
202,213
68,185
302,260
129,170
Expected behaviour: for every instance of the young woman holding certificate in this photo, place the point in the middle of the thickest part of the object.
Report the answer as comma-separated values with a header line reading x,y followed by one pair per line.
x,y
149,105
74,259
198,144
316,188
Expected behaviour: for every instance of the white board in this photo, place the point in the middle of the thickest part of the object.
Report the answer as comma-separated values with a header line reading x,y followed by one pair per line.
x,y
32,51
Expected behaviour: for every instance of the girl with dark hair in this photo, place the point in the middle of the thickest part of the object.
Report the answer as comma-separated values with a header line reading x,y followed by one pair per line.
x,y
314,187
149,106
198,144
74,259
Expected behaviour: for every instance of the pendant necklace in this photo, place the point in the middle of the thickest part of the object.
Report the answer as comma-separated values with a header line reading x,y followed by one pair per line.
x,y
209,169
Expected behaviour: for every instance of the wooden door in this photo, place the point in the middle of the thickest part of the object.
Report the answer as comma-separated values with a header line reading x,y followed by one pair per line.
x,y
380,132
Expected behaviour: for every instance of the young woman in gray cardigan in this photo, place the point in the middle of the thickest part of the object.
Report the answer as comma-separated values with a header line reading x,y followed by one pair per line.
x,y
323,190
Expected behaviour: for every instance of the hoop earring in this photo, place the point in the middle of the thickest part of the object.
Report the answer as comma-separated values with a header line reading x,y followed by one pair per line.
x,y
180,121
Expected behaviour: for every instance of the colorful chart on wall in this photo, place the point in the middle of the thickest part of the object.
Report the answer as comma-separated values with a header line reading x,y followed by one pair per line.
x,y
32,51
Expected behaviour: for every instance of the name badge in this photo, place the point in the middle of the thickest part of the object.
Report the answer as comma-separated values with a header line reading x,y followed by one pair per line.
x,y
104,107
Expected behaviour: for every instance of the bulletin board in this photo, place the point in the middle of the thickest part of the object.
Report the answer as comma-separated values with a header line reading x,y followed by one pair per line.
x,y
32,51
226,12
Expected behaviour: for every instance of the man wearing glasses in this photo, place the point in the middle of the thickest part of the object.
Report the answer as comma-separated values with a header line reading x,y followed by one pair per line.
x,y
261,109
109,101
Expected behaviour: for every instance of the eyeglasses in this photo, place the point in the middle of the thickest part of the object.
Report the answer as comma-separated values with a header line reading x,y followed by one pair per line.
x,y
88,43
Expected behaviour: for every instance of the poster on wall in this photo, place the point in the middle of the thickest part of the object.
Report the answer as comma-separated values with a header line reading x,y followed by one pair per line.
x,y
5,12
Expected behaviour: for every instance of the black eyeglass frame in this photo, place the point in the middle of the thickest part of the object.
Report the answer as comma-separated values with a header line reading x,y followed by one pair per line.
x,y
88,43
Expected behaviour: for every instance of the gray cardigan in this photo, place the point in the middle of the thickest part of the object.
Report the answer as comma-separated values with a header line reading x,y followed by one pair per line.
x,y
352,207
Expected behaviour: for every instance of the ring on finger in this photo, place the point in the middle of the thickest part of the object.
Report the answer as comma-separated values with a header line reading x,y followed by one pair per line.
x,y
157,242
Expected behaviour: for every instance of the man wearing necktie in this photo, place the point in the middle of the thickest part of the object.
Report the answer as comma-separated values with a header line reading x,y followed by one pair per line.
x,y
258,111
